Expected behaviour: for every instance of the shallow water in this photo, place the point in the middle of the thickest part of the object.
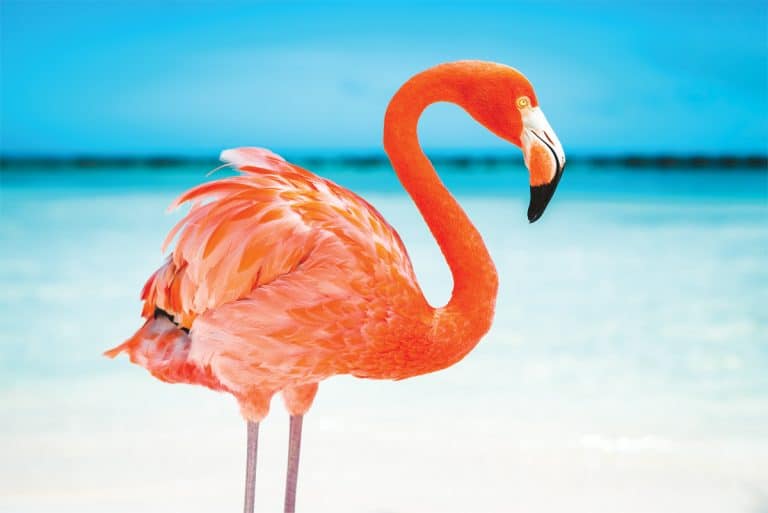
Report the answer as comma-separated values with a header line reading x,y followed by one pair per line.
x,y
627,369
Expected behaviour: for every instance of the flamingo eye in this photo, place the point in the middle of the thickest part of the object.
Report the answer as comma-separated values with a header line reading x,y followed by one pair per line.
x,y
523,102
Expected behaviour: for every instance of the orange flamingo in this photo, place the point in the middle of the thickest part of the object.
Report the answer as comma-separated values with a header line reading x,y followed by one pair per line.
x,y
281,279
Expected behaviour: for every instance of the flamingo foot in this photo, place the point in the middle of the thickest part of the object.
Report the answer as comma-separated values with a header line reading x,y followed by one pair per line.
x,y
250,466
294,448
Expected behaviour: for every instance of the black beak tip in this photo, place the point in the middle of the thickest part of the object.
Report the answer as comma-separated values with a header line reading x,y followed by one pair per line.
x,y
534,216
540,197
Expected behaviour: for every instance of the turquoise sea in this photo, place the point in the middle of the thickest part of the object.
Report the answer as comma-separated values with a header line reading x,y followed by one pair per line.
x,y
627,369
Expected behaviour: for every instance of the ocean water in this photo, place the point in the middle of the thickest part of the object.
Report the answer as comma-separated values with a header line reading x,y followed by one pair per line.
x,y
627,368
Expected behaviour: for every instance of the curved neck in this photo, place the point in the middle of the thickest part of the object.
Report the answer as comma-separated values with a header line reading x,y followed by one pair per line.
x,y
469,312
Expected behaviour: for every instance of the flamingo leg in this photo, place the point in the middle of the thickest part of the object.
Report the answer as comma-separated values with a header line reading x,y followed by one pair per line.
x,y
250,466
294,448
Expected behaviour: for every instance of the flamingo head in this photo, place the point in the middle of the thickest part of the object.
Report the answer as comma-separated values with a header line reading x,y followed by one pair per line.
x,y
503,100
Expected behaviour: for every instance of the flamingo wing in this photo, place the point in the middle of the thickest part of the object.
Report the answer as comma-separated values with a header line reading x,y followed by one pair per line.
x,y
244,232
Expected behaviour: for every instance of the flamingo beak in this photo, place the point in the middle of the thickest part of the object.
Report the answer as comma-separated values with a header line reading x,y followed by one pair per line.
x,y
544,158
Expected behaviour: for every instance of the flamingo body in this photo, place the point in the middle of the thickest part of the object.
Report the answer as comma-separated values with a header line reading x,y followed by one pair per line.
x,y
282,279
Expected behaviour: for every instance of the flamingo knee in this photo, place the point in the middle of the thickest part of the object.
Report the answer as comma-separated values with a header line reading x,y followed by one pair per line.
x,y
298,399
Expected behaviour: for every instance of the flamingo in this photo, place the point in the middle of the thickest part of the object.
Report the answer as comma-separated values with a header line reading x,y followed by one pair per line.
x,y
280,279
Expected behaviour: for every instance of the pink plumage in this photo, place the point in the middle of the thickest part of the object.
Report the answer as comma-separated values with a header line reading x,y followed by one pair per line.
x,y
282,279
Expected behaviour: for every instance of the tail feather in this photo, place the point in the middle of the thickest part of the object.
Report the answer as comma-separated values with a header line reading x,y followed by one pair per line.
x,y
162,348
111,353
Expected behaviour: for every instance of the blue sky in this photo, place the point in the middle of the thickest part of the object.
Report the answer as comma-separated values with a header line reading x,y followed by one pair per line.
x,y
194,77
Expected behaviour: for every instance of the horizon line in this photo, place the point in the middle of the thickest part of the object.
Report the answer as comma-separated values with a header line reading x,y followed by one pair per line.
x,y
369,159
